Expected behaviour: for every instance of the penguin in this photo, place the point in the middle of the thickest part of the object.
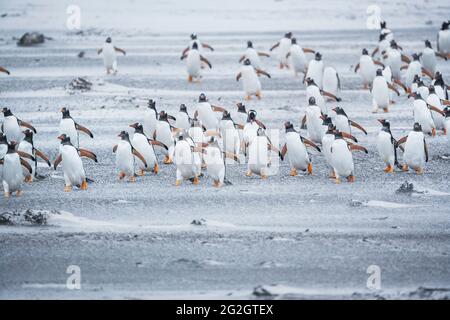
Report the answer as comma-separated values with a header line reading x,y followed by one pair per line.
x,y
125,153
150,118
428,57
12,163
416,150
188,166
163,134
434,102
3,150
197,132
387,146
11,126
295,147
422,115
314,121
27,146
183,121
250,130
204,111
315,69
70,128
4,71
443,39
193,63
342,159
230,135
144,146
382,47
327,141
283,48
367,69
343,123
415,68
239,115
258,155
380,92
250,81
447,123
440,87
384,30
297,57
109,56
253,56
419,87
200,45
215,162
331,82
74,174
313,90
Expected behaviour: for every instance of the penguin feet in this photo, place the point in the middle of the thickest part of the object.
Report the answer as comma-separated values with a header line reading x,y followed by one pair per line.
x,y
190,79
167,160
386,110
141,173
433,132
177,183
310,168
18,193
293,173
67,188
195,181
351,178
133,179
444,132
7,194
332,175
258,95
281,65
248,97
84,185
121,175
263,176
337,180
365,86
405,167
249,173
29,179
156,168
389,169
217,184
419,171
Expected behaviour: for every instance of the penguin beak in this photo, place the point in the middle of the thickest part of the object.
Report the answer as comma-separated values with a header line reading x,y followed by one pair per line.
x,y
380,121
61,137
334,109
62,109
322,116
134,125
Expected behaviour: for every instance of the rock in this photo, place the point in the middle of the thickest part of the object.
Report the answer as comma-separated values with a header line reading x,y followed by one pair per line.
x,y
406,188
260,291
79,84
81,54
355,203
27,217
199,222
430,293
30,39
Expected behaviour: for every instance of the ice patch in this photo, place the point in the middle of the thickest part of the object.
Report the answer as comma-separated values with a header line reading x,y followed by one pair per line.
x,y
389,205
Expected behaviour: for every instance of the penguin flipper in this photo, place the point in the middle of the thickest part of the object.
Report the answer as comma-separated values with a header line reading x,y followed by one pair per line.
x,y
425,149
115,148
139,156
157,143
26,165
26,155
357,125
41,155
84,129
27,125
87,154
57,161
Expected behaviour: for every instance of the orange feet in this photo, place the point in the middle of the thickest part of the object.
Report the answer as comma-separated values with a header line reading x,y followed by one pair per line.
x,y
389,169
167,160
309,168
433,132
141,173
84,185
293,173
29,179
67,188
121,175
177,183
351,178
405,167
156,168
195,181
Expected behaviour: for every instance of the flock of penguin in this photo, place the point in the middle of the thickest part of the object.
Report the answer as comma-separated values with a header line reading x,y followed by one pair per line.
x,y
202,139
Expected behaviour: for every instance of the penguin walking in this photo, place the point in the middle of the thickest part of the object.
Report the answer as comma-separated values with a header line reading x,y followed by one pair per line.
x,y
188,165
258,155
440,87
125,153
295,147
150,118
4,70
74,174
422,115
27,146
253,56
342,159
11,126
230,135
415,68
109,56
343,123
163,133
194,63
200,45
3,151
314,121
313,90
367,68
204,111
443,39
144,146
416,150
239,116
387,146
283,48
447,124
183,121
250,130
331,82
382,47
70,128
434,103
12,163
250,81
380,92
297,58
315,69
428,58
215,162
393,58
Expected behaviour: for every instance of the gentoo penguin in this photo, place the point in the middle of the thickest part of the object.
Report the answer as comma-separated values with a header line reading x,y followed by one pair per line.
x,y
416,151
314,121
434,102
230,135
428,57
315,69
250,81
144,146
3,150
27,146
215,161
204,111
443,39
194,63
251,129
297,58
342,159
70,128
239,115
188,166
313,90
387,146
196,41
258,155
384,30
283,48
109,55
125,153
163,134
74,174
419,87
439,86
382,47
380,92
367,69
11,126
295,147
12,163
150,118
422,115
447,123
4,70
331,82
253,56
393,58
343,123
183,121
415,68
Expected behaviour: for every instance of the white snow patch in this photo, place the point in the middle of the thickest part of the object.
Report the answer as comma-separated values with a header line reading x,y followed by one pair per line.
x,y
389,205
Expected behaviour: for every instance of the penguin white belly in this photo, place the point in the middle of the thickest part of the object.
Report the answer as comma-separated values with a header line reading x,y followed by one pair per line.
x,y
12,173
422,115
428,60
140,143
314,91
283,49
447,128
250,81
385,148
296,150
149,123
327,142
330,80
230,136
298,59
380,93
395,62
25,146
164,135
258,156
315,72
438,119
441,93
414,155
366,69
124,158
73,169
196,133
12,129
206,116
214,164
182,121
3,150
342,124
184,160
193,64
444,41
109,56
250,131
67,127
341,158
253,56
423,91
314,123
414,68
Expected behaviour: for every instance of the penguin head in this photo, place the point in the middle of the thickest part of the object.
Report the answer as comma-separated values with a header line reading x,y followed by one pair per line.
x,y
365,52
138,128
415,57
326,120
318,56
417,127
195,123
151,104
202,98
226,115
428,44
416,78
288,35
338,134
64,139
446,111
260,132
331,128
193,36
241,107
288,126
6,112
294,41
163,116
312,101
195,46
382,37
339,111
247,62
379,72
249,44
310,81
108,40
394,44
3,139
65,112
385,123
445,25
383,24
12,146
28,135
431,89
438,80
124,135
251,115
183,108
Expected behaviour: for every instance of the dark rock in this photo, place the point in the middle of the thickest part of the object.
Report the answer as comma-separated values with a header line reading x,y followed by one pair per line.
x,y
199,222
260,291
406,188
81,54
79,84
30,39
